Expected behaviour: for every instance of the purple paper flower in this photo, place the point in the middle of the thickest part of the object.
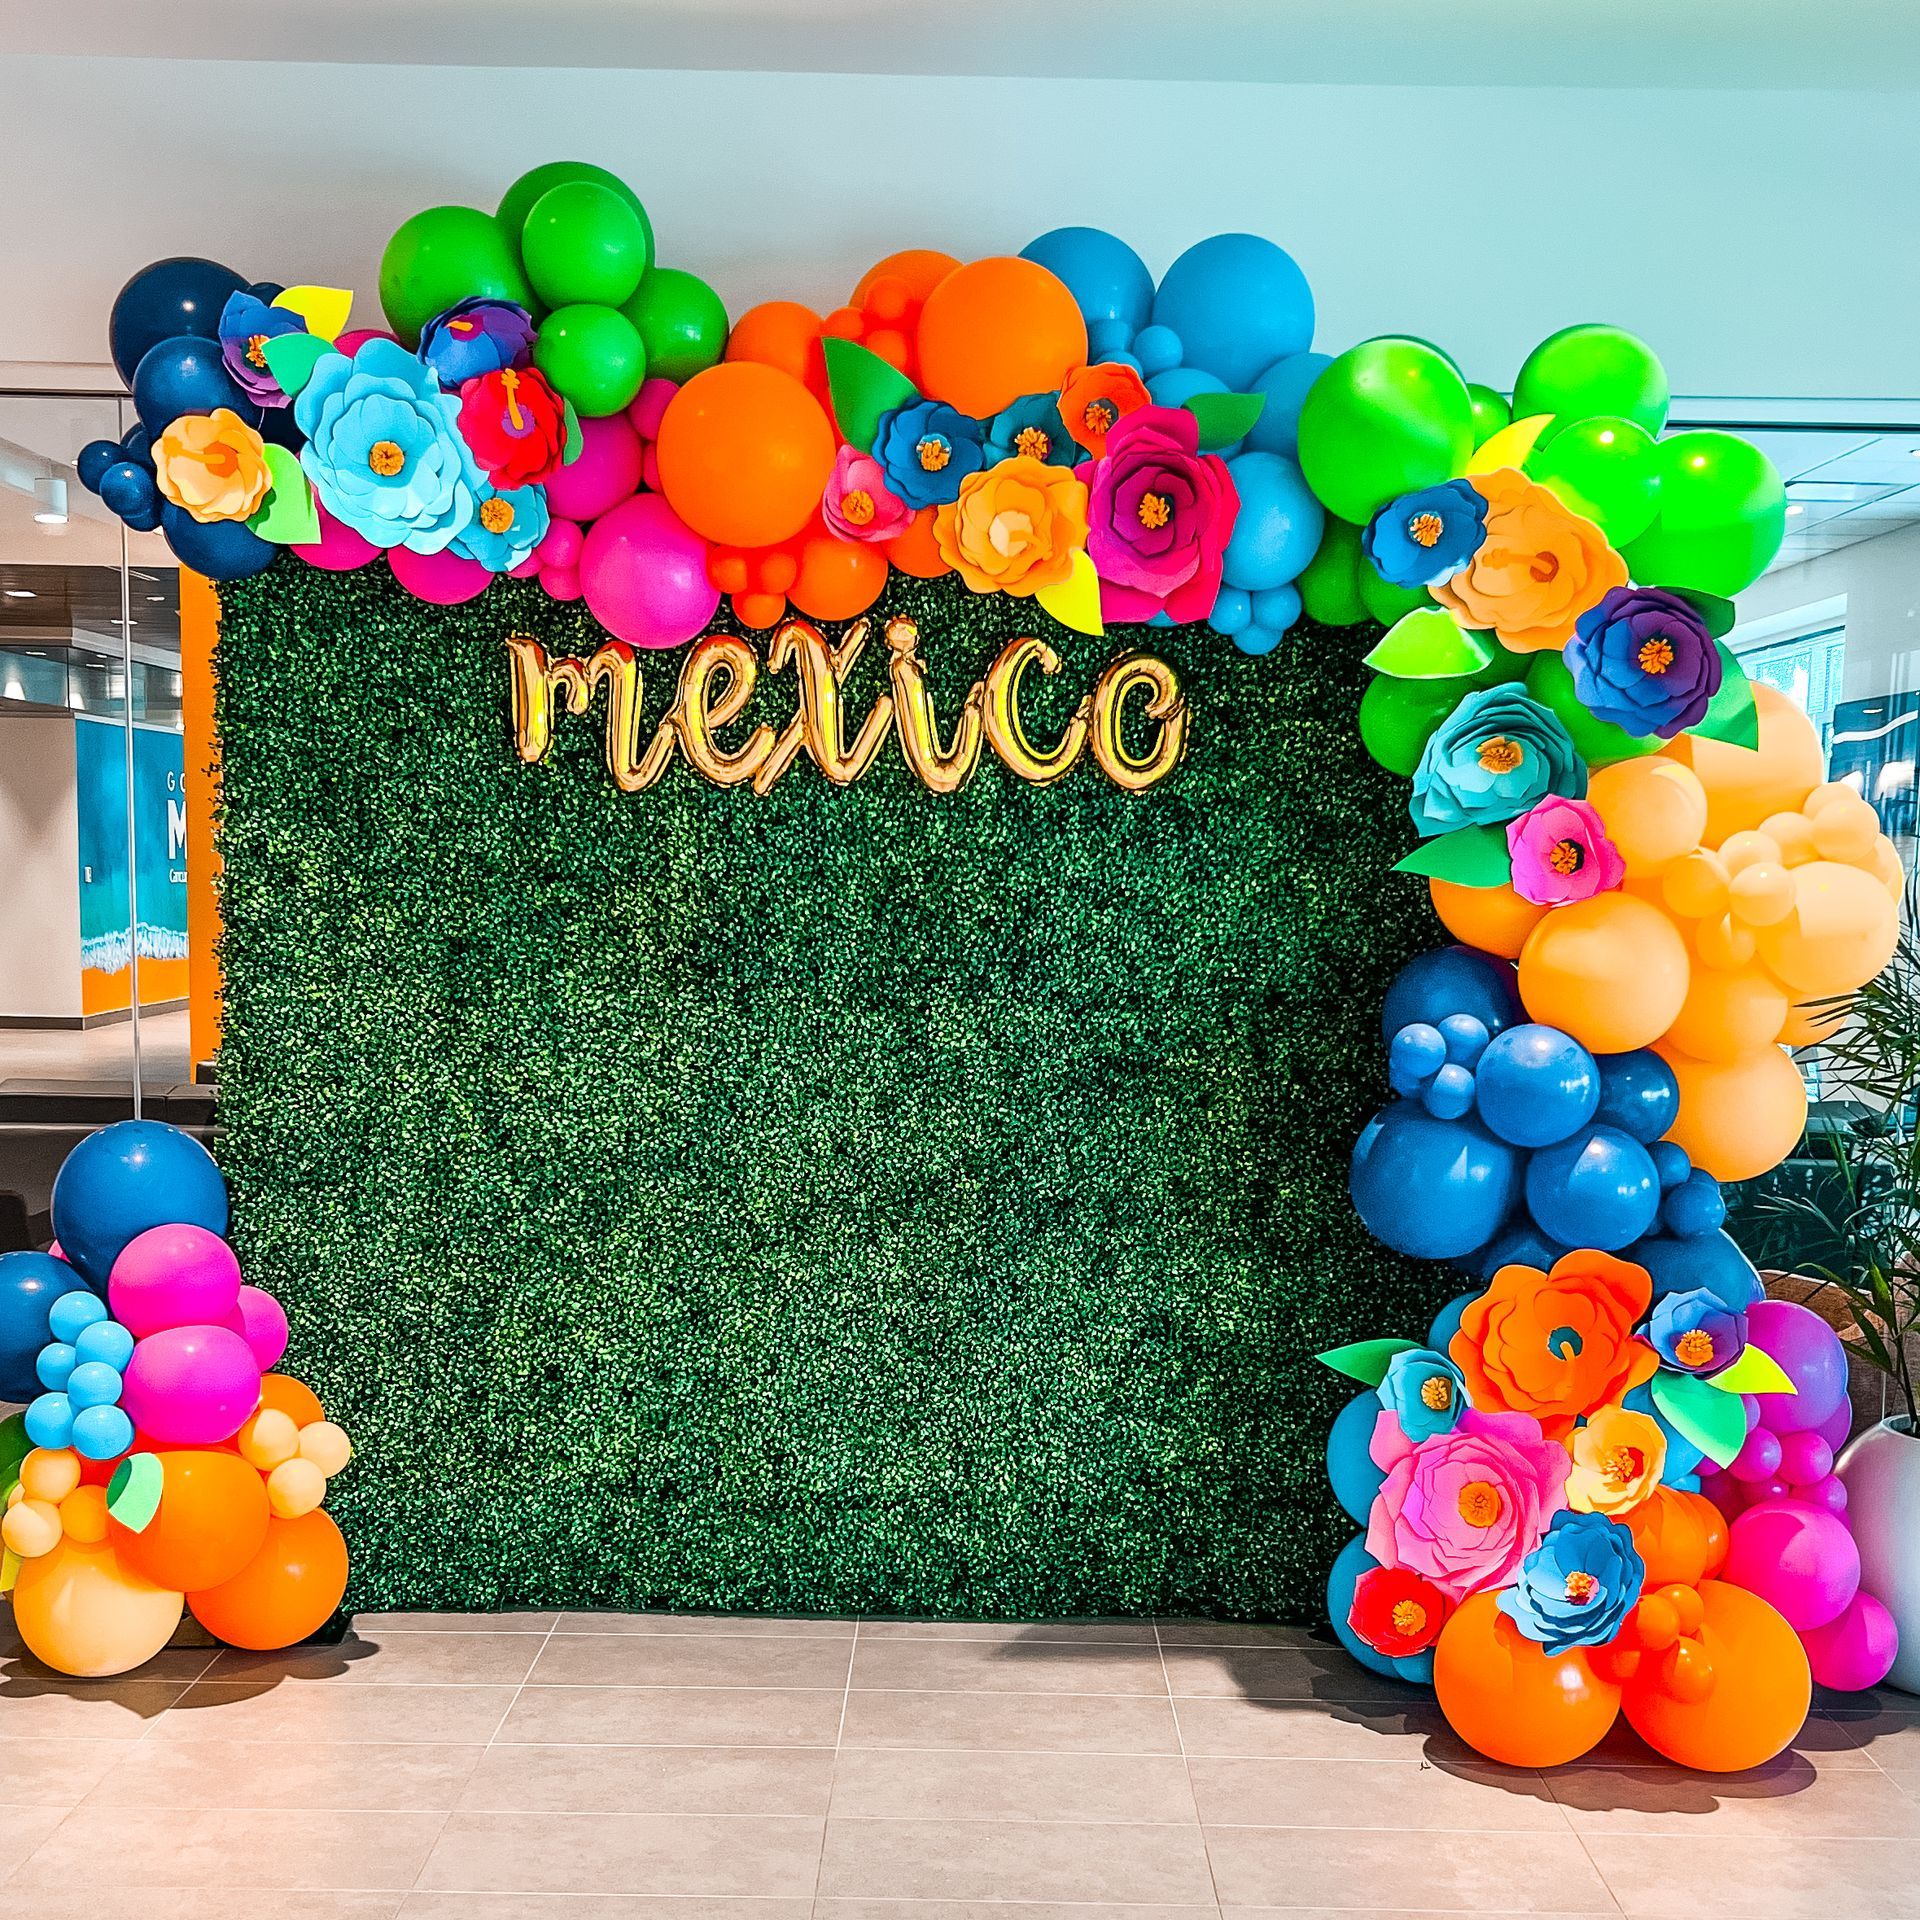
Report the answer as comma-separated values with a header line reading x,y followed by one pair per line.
x,y
476,336
1697,1332
247,323
1644,661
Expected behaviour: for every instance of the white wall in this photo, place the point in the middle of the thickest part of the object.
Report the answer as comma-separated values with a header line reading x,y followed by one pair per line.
x,y
1881,581
39,867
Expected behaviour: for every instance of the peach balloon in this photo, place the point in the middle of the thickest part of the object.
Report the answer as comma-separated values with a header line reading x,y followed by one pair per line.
x,y
1792,833
1727,1015
1612,971
1744,784
1808,1023
1887,868
1846,831
1654,811
1697,886
1841,931
996,329
1493,919
1508,1698
1761,894
1724,943
1737,1118
82,1612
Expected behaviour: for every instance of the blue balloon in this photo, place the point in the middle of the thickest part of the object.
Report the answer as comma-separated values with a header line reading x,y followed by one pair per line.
x,y
1107,279
93,1384
1238,303
1451,980
1464,1037
1638,1094
1521,1245
267,290
129,491
1597,1189
1695,1207
49,1421
221,549
1279,524
1257,640
1285,385
55,1364
1277,608
1670,1162
1349,1466
75,1311
1232,612
1536,1085
124,1179
101,1433
1435,1189
1449,1094
137,445
1157,349
29,1285
171,297
1712,1262
186,375
1446,1323
106,1341
1414,1055
93,460
1177,385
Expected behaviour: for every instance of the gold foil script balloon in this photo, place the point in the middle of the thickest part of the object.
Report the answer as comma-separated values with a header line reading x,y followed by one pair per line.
x,y
1164,704
939,769
1005,733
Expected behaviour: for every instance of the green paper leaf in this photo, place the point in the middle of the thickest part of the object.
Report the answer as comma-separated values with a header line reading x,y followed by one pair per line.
x,y
1224,417
1733,717
1716,612
292,357
863,387
287,517
1365,1360
14,1447
1756,1371
1429,644
1716,1423
1468,856
576,440
133,1494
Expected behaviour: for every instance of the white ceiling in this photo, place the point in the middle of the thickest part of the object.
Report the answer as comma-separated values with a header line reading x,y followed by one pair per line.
x,y
1842,487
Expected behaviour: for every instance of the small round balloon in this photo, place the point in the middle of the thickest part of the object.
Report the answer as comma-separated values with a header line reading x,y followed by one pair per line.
x,y
1387,417
594,357
443,255
1584,370
1490,412
644,574
1277,530
1722,515
682,324
221,549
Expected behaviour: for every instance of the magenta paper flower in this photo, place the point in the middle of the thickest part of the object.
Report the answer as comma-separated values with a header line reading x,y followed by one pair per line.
x,y
858,504
1466,1507
1160,514
1561,853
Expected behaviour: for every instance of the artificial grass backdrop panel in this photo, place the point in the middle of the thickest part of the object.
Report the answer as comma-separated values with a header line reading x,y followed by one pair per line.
x,y
839,1200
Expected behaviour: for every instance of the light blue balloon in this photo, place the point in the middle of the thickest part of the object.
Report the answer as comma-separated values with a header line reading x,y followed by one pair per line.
x,y
1349,1466
1176,385
1257,640
101,1433
1285,385
1232,612
93,1384
55,1362
1106,338
106,1341
1107,279
1238,303
1349,1564
1279,525
73,1313
49,1421
1277,608
1158,349
1446,1323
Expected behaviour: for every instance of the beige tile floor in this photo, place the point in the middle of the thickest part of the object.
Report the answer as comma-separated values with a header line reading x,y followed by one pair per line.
x,y
99,1055
653,1767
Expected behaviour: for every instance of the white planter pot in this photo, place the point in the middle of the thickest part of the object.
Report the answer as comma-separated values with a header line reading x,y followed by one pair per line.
x,y
1881,1470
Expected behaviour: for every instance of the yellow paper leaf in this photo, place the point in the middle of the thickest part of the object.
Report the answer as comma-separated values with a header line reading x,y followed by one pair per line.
x,y
1075,602
1510,446
324,309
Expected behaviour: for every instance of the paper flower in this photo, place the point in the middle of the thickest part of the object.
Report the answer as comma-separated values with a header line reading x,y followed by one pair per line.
x,y
1556,1345
1617,1460
475,336
1561,853
858,503
1096,398
247,323
383,450
1015,528
1031,427
1160,514
505,528
1696,1331
1497,754
212,465
1425,1392
1466,1507
1423,537
1577,1587
927,449
1644,661
1540,567
1396,1612
515,425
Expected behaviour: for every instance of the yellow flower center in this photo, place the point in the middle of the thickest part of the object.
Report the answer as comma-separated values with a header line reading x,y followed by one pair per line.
x,y
1694,1348
385,458
1155,510
496,515
856,508
933,454
1034,442
1622,1466
257,351
1656,655
1425,529
1099,416
1498,754
1436,1393
1581,1587
1566,857
1408,1617
1480,1503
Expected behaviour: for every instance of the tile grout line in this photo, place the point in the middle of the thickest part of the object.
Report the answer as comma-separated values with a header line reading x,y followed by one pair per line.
x,y
833,1769
1186,1767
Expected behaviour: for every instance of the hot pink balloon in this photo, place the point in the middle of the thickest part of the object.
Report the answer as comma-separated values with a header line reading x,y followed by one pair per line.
x,y
339,549
560,545
1799,1559
176,1276
1804,1458
263,1325
561,583
1810,1355
352,342
1856,1650
644,573
1759,1456
445,578
191,1386
607,471
649,404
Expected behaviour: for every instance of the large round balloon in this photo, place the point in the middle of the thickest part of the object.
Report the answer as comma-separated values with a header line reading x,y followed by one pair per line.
x,y
1535,1085
518,200
1722,515
584,242
1593,369
1840,931
607,471
1238,303
185,374
1809,1353
1107,279
181,295
1610,970
191,1386
644,574
1605,468
1597,1189
1277,530
1508,1698
1387,417
29,1285
1350,1466
1729,1013
1494,919
212,1520
84,1613
443,255
1435,1189
996,329
221,549
836,579
1799,1559
682,323
1737,1118
1450,980
1284,386
287,1590
1744,785
173,1276
124,1179
1654,810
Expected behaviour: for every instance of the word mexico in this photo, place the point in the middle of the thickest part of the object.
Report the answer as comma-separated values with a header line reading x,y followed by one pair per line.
x,y
720,672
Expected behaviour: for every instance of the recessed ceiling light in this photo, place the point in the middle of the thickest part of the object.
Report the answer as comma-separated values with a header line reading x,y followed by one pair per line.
x,y
1796,509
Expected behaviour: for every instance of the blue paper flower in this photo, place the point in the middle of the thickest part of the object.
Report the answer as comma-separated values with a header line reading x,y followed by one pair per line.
x,y
383,450
1425,1392
1576,1588
1696,1331
475,336
1426,536
505,527
1644,661
246,324
1496,755
927,449
1032,425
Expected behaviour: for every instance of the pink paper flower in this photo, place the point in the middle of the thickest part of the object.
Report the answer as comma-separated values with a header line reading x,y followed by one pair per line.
x,y
858,504
1466,1507
1561,853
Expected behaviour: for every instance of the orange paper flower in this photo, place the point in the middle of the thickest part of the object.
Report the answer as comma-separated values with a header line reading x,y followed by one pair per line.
x,y
1095,397
1539,569
1556,1345
1617,1460
212,465
1015,526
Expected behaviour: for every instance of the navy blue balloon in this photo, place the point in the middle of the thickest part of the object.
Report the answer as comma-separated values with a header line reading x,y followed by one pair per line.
x,y
1638,1094
181,295
267,290
1285,385
1349,1466
1535,1085
29,1285
1695,1207
1712,1261
1520,1245
221,549
186,375
279,428
137,445
94,459
124,1179
1597,1189
1238,303
1107,279
1446,1323
129,491
1279,524
1451,980
1435,1189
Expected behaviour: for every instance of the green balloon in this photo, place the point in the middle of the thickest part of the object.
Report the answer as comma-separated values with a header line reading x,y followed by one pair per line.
x,y
443,255
1387,417
1598,742
1330,584
1490,412
593,356
1722,515
682,323
1593,369
517,202
1605,467
584,246
1384,601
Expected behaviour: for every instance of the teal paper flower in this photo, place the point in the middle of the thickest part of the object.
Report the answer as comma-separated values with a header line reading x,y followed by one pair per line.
x,y
1032,426
383,449
1425,1391
1576,1588
1496,755
505,527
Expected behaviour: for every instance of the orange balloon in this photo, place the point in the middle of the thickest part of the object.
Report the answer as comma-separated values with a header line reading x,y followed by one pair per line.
x,y
1508,1698
837,578
211,1521
1808,1024
1612,971
1728,1015
1744,785
914,551
82,1612
1752,1685
1737,1118
1494,919
758,610
1654,811
294,1398
916,270
1713,1525
744,453
1670,1537
285,1592
1839,932
995,329
783,334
